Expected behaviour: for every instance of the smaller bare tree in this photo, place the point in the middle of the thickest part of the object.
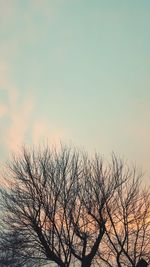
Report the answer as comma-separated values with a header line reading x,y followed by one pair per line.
x,y
128,227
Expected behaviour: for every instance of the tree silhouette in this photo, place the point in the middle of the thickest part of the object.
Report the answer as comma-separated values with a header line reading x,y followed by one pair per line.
x,y
58,206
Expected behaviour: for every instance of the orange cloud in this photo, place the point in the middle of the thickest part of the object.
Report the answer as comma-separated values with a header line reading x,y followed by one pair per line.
x,y
18,114
19,123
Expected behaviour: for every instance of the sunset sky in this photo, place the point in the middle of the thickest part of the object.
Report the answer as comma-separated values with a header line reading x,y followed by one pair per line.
x,y
76,71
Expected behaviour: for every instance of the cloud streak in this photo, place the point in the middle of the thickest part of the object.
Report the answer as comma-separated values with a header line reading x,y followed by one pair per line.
x,y
19,123
16,113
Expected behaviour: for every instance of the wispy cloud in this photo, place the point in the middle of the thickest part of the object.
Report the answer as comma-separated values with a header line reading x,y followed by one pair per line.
x,y
19,125
15,111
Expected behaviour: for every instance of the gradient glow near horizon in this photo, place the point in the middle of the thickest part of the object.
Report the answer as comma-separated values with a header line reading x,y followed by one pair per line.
x,y
76,71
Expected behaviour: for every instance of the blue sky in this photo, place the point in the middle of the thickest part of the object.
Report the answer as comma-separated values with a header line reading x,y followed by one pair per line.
x,y
76,71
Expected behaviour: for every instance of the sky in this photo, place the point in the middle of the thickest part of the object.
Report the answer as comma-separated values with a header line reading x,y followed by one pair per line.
x,y
76,71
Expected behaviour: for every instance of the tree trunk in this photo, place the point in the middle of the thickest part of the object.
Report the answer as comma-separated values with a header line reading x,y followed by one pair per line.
x,y
118,260
86,263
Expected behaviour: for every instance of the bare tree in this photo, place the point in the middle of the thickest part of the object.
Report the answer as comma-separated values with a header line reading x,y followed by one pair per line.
x,y
57,203
127,238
